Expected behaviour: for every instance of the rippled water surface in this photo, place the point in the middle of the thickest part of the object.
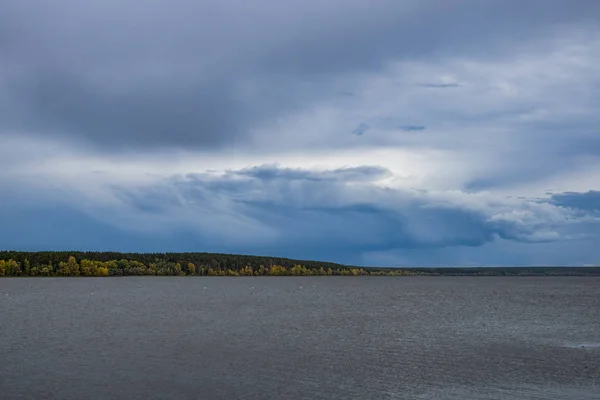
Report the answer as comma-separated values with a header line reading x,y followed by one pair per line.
x,y
300,338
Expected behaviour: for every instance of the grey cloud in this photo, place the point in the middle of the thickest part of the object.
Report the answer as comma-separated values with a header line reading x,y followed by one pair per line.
x,y
336,214
353,174
200,74
321,214
440,85
413,128
587,202
153,200
193,112
498,253
392,123
361,129
512,175
62,227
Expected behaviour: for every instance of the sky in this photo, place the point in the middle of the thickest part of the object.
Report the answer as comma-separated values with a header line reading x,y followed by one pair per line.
x,y
380,132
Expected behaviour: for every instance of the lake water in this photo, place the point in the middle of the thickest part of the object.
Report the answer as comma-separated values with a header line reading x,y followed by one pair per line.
x,y
300,338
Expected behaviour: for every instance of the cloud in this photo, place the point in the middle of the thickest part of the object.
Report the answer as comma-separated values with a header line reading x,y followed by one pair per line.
x,y
588,202
362,128
413,128
440,85
350,174
355,214
200,74
321,214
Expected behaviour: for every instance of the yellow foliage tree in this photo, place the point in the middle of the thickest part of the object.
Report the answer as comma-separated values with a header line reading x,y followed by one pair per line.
x,y
191,269
12,268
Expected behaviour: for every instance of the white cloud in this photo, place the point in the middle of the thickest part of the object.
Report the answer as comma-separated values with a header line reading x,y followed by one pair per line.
x,y
508,119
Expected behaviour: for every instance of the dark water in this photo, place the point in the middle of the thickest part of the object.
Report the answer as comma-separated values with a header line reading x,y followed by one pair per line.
x,y
300,338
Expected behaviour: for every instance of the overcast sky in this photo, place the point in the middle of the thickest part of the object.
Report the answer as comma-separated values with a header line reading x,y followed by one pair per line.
x,y
380,132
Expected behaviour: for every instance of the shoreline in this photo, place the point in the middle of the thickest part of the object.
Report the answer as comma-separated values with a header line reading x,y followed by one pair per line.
x,y
111,264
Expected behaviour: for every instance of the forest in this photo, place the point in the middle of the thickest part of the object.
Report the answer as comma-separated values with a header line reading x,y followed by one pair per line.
x,y
62,263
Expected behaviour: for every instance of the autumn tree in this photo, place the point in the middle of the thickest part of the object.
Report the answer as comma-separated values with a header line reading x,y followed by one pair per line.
x,y
177,270
26,267
12,268
191,269
69,268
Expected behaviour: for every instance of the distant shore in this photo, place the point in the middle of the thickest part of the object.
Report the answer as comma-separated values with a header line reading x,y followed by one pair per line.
x,y
56,264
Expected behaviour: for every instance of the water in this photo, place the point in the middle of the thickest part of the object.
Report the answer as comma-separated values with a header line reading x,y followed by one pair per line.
x,y
300,338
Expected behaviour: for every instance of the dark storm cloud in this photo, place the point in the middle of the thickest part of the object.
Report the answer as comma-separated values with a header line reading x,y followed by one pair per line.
x,y
200,74
337,214
319,214
587,202
191,113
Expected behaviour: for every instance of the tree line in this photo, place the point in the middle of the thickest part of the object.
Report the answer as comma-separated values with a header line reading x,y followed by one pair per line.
x,y
127,267
208,264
